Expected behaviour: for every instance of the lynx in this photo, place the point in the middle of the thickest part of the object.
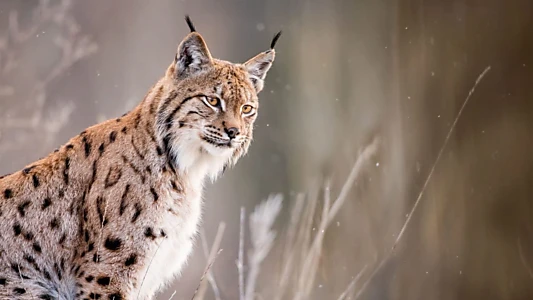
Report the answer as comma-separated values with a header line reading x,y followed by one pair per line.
x,y
113,213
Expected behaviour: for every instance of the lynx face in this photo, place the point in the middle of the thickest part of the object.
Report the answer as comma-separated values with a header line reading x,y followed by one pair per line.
x,y
210,117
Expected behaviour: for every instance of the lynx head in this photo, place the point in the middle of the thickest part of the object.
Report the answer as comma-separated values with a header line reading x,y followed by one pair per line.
x,y
207,122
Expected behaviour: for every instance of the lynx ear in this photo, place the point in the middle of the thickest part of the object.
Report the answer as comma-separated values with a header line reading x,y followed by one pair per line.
x,y
259,65
193,57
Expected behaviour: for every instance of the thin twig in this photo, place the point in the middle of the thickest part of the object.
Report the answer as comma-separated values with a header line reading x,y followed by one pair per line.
x,y
407,221
352,284
210,278
148,268
207,268
240,260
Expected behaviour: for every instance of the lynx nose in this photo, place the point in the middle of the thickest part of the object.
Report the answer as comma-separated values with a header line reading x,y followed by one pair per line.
x,y
232,132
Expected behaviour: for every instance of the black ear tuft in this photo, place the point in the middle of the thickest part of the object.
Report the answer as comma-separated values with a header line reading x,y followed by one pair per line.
x,y
189,23
275,40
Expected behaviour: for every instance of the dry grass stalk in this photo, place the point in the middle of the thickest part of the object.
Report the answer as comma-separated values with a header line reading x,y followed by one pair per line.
x,y
417,202
210,256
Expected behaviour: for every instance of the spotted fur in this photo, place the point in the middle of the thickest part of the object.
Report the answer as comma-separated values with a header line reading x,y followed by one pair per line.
x,y
114,212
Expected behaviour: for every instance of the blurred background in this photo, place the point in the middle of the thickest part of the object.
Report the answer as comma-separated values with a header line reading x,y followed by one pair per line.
x,y
346,72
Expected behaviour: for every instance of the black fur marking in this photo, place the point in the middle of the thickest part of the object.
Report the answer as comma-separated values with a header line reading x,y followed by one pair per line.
x,y
22,208
167,101
47,275
90,247
65,171
163,234
96,258
159,151
149,233
37,247
101,148
132,259
87,236
113,244
89,278
3,281
137,213
123,199
112,136
115,296
58,271
124,129
134,168
113,176
46,297
118,120
137,151
54,224
104,281
19,291
27,170
17,229
8,193
35,180
170,118
275,40
62,239
94,296
137,119
70,146
46,202
28,236
86,146
100,209
154,193
190,24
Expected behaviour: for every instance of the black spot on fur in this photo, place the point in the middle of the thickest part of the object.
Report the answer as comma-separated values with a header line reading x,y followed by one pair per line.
x,y
94,296
154,193
70,146
113,176
159,151
163,233
137,213
17,230
46,297
115,296
54,224
22,208
87,236
149,233
58,271
3,281
61,194
35,180
89,278
103,281
90,247
101,148
28,236
47,275
112,136
65,170
123,199
124,129
113,244
37,247
19,291
46,202
27,170
131,260
100,209
62,238
118,120
8,193
86,146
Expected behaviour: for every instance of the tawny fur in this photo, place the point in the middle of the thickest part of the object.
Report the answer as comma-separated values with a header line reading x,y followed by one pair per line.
x,y
113,213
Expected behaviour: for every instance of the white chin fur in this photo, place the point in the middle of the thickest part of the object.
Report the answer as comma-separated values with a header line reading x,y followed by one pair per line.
x,y
199,159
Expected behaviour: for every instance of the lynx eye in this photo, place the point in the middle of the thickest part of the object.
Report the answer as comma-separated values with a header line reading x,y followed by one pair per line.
x,y
247,109
213,101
